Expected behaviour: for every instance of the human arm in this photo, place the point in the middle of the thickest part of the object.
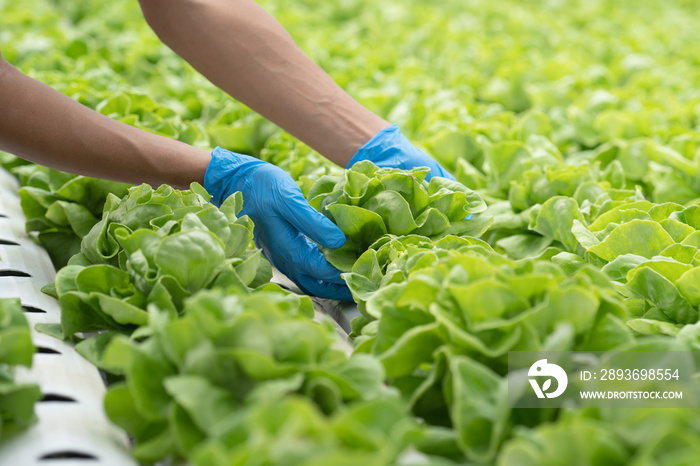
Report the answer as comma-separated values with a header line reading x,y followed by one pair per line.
x,y
42,125
242,49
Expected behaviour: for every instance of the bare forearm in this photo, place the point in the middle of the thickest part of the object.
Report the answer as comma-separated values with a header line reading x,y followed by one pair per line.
x,y
44,126
246,52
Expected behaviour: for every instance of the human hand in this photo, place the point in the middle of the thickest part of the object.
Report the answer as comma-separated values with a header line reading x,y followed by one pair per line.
x,y
283,220
390,148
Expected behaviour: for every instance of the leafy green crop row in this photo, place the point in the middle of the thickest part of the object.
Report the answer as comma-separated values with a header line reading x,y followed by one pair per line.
x,y
155,247
442,316
201,349
237,375
16,349
445,316
62,208
575,123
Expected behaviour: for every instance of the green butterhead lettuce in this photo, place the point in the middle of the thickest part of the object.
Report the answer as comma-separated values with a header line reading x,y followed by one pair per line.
x,y
62,208
369,202
197,376
156,247
16,348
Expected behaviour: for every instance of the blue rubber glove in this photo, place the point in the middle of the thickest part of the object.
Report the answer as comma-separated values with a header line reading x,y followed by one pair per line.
x,y
390,148
283,220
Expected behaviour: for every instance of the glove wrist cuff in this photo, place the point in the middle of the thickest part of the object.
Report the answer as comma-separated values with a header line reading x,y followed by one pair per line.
x,y
373,147
225,172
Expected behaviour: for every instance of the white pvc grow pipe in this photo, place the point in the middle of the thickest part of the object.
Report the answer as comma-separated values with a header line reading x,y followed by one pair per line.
x,y
72,428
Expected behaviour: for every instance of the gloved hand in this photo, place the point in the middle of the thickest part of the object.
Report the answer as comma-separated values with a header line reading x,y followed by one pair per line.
x,y
283,220
390,148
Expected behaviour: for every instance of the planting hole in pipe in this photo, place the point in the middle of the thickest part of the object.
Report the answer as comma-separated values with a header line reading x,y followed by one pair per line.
x,y
68,454
32,309
14,273
53,397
